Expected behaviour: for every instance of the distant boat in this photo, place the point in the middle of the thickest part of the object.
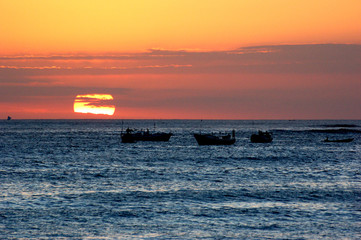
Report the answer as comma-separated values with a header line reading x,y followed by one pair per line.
x,y
339,140
211,139
261,137
131,136
9,118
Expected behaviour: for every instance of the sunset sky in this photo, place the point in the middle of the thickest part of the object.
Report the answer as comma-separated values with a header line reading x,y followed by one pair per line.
x,y
164,59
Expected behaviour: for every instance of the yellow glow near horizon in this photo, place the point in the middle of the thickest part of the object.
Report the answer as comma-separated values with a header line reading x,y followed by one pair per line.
x,y
94,104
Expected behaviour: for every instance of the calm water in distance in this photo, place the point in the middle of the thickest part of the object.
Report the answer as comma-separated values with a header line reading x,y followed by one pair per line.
x,y
74,179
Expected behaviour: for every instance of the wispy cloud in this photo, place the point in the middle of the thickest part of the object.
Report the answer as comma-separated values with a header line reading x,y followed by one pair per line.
x,y
19,93
319,58
274,80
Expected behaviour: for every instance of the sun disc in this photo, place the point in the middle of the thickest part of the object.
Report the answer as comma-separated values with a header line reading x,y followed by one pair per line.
x,y
94,104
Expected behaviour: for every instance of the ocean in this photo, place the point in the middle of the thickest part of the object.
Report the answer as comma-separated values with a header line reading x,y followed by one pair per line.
x,y
74,179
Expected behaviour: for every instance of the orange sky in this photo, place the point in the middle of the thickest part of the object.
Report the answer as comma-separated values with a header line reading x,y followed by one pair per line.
x,y
182,59
71,26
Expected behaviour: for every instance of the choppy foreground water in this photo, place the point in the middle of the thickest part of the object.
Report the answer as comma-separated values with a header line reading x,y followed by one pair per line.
x,y
75,179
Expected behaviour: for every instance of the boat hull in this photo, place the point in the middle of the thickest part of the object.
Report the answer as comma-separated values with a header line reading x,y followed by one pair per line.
x,y
255,138
340,140
155,137
128,138
207,139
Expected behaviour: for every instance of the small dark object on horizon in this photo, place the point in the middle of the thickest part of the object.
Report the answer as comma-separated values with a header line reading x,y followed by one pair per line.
x,y
339,140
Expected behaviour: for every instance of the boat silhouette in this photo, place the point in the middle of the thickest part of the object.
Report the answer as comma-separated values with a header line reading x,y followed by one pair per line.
x,y
339,140
212,139
261,137
132,136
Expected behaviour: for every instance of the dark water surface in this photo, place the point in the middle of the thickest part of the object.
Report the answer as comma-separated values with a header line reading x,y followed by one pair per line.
x,y
75,179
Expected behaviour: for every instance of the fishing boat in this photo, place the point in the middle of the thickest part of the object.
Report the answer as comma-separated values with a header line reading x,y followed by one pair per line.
x,y
132,136
9,118
212,139
339,140
261,137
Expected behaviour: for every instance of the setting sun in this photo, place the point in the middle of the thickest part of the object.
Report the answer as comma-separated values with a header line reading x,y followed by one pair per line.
x,y
94,104
204,59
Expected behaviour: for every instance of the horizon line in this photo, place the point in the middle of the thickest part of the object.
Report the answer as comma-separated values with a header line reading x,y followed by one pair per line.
x,y
193,119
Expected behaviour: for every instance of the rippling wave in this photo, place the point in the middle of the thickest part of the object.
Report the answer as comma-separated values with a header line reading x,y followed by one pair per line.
x,y
75,179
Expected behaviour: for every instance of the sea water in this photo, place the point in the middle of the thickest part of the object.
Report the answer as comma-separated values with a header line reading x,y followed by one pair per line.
x,y
74,179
